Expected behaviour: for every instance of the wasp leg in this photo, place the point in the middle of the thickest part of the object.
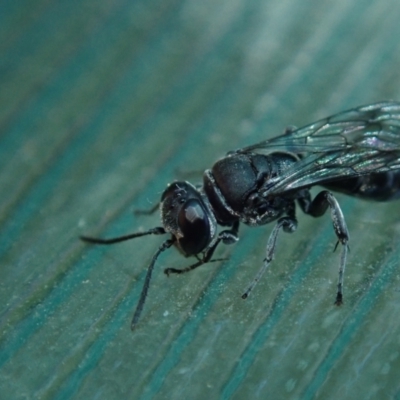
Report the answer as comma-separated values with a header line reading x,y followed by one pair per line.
x,y
289,225
229,236
318,207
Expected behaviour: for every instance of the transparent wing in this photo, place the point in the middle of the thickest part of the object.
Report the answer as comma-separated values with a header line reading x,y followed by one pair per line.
x,y
320,168
373,126
355,142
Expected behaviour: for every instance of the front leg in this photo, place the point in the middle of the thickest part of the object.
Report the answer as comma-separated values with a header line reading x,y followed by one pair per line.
x,y
228,236
318,207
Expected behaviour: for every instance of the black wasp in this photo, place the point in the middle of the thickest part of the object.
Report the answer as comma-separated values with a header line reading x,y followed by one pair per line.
x,y
356,152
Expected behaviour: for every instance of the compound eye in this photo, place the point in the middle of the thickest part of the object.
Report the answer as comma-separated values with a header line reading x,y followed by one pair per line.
x,y
195,227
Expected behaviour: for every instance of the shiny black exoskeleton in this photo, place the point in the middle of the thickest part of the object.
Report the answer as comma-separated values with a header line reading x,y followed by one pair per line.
x,y
356,152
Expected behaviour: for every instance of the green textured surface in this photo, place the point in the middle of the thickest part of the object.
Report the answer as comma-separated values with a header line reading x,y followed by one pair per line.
x,y
102,104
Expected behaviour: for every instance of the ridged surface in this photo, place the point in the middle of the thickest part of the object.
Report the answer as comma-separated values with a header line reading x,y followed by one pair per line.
x,y
102,104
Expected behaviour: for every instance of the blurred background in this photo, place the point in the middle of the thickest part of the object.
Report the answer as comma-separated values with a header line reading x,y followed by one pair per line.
x,y
102,103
